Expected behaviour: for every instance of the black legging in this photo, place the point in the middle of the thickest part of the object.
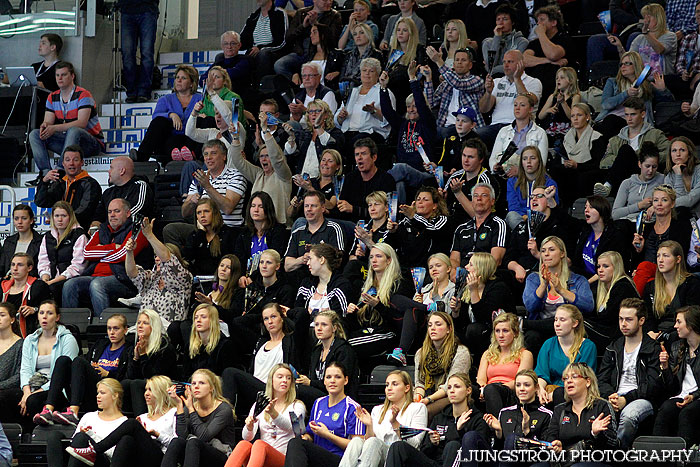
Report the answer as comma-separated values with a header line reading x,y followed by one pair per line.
x,y
133,395
536,332
132,445
192,452
160,140
78,378
402,454
9,410
408,317
672,421
610,126
300,452
624,166
241,388
56,455
497,396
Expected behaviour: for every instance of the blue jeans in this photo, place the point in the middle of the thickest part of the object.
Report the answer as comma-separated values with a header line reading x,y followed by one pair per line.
x,y
138,28
58,142
598,47
473,441
289,64
406,174
186,176
100,289
631,416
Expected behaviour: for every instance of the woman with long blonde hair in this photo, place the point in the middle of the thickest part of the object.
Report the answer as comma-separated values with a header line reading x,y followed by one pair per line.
x,y
208,347
386,306
143,439
673,287
61,252
596,421
404,39
505,357
554,285
456,38
613,286
568,346
441,288
440,357
532,173
382,425
153,354
483,297
273,422
611,120
555,114
205,433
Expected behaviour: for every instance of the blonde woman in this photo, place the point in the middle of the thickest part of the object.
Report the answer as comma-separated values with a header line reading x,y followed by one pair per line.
x,y
404,39
665,227
502,361
152,355
144,439
611,119
274,424
656,45
455,38
385,305
330,167
532,173
440,357
375,230
382,425
484,296
61,253
441,288
673,287
92,428
205,433
305,147
208,347
408,10
218,90
568,346
613,286
596,422
554,285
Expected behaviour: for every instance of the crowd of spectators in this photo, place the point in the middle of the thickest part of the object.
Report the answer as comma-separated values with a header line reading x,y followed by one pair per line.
x,y
558,239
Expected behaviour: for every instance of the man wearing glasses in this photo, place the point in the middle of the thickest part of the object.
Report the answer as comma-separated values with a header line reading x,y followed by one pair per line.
x,y
237,66
311,89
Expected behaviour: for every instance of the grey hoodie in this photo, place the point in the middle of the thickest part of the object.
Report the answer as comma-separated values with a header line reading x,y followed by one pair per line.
x,y
647,133
632,191
510,41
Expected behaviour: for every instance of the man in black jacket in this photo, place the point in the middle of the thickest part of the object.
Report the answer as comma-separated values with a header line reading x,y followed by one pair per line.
x,y
124,185
76,187
630,375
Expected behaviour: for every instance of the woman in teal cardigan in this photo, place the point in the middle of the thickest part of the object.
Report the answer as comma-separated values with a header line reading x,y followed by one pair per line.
x,y
38,361
568,346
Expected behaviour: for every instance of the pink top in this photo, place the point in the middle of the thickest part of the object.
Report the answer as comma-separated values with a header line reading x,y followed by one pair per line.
x,y
502,372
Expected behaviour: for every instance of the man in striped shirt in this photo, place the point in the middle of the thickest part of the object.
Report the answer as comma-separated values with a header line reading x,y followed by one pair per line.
x,y
70,118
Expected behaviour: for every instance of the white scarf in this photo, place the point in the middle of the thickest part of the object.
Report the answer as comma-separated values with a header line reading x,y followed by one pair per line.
x,y
580,151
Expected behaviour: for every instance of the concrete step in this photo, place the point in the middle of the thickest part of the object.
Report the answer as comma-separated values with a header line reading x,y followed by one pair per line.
x,y
198,57
134,121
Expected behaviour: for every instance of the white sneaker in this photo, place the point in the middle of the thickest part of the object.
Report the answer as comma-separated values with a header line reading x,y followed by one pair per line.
x,y
131,302
601,189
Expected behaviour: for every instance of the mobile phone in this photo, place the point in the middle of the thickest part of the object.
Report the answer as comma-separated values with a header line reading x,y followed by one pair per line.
x,y
180,388
197,284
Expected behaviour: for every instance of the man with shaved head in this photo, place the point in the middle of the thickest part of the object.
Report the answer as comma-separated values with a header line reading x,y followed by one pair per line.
x,y
124,185
104,278
501,92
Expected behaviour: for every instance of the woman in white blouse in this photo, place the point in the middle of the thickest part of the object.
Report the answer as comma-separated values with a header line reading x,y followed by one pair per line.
x,y
382,426
274,423
362,113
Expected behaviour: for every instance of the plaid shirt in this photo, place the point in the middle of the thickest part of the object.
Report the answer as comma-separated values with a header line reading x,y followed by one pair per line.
x,y
687,57
470,88
680,16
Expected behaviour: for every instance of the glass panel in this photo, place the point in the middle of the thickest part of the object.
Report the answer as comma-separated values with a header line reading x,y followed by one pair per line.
x,y
28,16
